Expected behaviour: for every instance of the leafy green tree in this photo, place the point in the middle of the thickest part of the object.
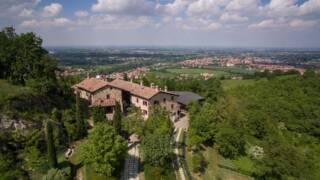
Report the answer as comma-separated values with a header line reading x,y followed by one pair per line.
x,y
158,122
81,125
133,122
282,161
52,156
156,149
202,125
33,159
70,123
56,115
230,142
117,117
105,150
98,114
55,174
8,169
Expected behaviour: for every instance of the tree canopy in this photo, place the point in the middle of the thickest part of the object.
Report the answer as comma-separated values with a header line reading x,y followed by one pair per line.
x,y
104,149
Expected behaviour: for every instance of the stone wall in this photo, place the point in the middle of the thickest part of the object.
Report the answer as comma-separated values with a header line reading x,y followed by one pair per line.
x,y
7,123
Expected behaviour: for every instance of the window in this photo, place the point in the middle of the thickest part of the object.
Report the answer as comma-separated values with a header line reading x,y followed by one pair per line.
x,y
108,96
172,106
172,98
156,102
145,103
137,100
164,100
145,112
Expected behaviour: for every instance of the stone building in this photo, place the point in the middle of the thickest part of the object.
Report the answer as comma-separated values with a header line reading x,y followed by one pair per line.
x,y
106,94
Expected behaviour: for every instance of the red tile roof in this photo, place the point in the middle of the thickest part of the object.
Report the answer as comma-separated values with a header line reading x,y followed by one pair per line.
x,y
104,102
133,88
91,84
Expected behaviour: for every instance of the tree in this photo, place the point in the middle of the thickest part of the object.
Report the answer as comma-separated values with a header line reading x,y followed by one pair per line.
x,y
133,122
117,118
70,123
158,122
8,169
230,142
202,125
33,159
52,156
55,174
81,126
98,114
104,150
156,149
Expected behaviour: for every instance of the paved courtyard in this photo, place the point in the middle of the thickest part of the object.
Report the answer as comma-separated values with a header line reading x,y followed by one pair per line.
x,y
131,169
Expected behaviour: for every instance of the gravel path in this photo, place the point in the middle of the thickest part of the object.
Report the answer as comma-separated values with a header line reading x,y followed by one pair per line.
x,y
131,169
176,151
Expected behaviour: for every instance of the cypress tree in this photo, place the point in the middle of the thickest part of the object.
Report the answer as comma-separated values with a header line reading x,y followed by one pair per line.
x,y
52,156
117,118
81,128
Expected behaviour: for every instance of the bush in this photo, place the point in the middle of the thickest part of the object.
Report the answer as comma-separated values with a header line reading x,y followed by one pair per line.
x,y
198,162
230,142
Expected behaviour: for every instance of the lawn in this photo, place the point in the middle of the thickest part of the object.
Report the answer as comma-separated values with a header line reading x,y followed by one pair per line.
x,y
213,169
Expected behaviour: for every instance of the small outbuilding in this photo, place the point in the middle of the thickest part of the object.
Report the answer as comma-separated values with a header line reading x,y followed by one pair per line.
x,y
186,97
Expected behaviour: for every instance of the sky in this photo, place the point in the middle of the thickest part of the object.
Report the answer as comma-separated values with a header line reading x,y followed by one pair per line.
x,y
203,23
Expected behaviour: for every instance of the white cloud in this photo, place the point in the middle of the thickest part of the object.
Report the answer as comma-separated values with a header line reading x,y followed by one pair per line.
x,y
298,23
10,9
197,24
173,8
242,5
266,24
125,7
47,23
283,8
311,6
227,17
29,23
206,7
52,10
26,13
81,13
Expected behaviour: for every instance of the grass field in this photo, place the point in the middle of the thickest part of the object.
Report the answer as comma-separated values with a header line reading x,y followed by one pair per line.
x,y
213,170
192,72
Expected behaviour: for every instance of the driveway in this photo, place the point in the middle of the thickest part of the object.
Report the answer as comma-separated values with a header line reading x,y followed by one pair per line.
x,y
131,168
183,122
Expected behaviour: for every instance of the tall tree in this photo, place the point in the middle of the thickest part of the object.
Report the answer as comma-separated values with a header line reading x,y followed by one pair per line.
x,y
52,156
81,126
98,114
117,118
104,149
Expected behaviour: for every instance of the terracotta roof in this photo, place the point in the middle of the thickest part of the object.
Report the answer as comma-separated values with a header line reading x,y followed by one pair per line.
x,y
133,88
104,102
91,84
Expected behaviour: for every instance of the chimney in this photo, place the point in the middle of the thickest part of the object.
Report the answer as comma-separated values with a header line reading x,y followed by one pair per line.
x,y
157,88
165,88
141,83
152,85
